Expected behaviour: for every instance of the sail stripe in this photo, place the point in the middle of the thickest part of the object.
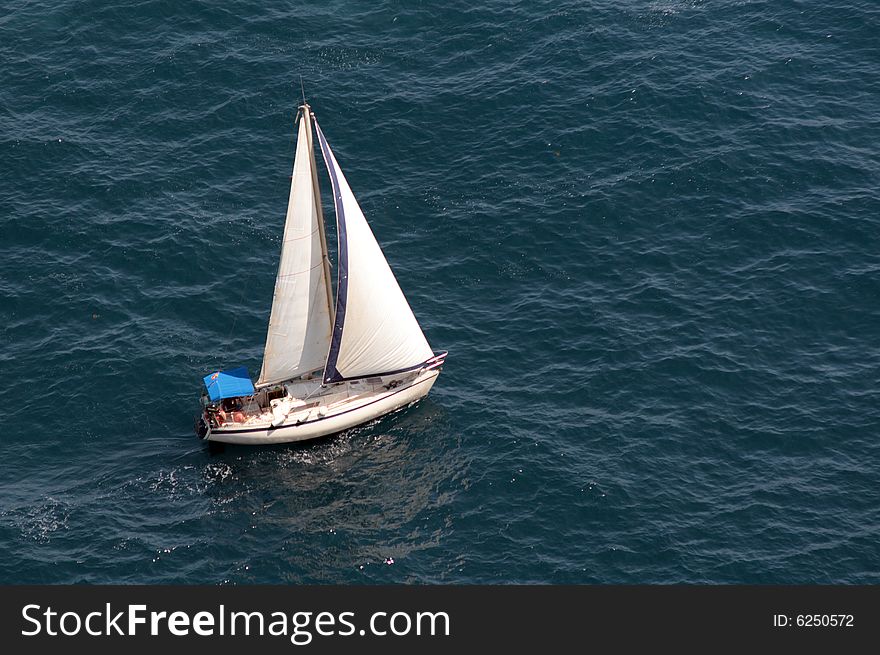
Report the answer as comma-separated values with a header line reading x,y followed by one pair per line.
x,y
330,372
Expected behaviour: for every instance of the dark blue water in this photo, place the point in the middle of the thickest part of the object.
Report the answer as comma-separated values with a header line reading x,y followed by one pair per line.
x,y
647,232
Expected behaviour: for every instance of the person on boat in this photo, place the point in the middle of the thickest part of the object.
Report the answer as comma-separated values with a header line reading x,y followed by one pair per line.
x,y
236,410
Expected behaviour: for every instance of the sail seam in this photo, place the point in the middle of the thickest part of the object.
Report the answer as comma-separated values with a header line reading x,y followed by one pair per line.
x,y
302,272
305,236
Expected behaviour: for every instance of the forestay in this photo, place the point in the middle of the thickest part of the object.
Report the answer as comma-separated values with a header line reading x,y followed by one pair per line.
x,y
375,330
299,324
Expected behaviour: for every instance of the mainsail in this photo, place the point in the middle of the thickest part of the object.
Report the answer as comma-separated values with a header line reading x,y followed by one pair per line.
x,y
375,330
299,332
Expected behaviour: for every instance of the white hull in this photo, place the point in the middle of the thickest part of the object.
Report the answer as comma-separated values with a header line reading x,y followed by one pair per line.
x,y
336,412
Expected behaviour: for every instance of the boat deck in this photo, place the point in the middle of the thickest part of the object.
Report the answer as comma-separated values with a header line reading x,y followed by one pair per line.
x,y
303,400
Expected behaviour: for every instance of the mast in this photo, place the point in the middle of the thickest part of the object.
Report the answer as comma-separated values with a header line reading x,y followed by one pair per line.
x,y
325,257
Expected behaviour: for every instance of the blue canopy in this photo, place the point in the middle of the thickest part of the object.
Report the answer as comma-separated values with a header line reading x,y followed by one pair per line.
x,y
229,384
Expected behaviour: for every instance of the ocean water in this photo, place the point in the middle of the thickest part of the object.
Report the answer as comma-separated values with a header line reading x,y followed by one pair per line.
x,y
646,231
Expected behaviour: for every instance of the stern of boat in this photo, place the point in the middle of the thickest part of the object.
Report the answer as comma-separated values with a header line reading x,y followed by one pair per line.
x,y
202,427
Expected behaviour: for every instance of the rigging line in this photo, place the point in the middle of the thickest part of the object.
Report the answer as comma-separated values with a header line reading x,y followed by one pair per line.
x,y
302,88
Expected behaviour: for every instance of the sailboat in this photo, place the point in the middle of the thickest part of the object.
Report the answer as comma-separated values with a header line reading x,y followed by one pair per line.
x,y
328,365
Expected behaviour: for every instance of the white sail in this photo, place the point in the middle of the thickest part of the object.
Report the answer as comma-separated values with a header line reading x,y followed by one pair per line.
x,y
299,325
375,330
